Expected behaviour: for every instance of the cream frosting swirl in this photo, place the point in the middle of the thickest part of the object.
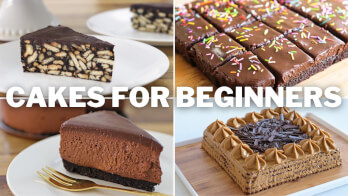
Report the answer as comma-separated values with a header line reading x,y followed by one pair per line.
x,y
310,146
214,126
222,133
300,121
230,142
269,113
274,155
308,127
292,115
318,132
282,110
236,122
241,151
253,117
325,143
255,162
293,150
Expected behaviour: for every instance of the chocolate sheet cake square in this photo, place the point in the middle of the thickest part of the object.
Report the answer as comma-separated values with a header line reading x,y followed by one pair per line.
x,y
213,51
318,43
62,51
288,63
244,70
203,6
254,35
260,8
286,21
263,150
189,30
154,17
228,17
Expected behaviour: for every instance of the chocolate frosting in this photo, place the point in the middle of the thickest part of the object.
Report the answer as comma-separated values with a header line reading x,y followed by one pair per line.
x,y
260,8
64,35
111,124
162,7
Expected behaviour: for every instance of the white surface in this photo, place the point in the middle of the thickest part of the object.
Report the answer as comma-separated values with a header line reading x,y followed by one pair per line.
x,y
18,17
118,23
136,64
23,180
191,122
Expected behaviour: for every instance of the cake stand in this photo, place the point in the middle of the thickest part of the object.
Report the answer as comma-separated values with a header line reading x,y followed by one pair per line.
x,y
18,17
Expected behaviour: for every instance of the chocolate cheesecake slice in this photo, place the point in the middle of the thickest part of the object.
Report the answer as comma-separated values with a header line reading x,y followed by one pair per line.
x,y
62,51
108,146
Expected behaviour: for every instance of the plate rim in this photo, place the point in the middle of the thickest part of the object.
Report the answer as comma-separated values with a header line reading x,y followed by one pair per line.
x,y
152,42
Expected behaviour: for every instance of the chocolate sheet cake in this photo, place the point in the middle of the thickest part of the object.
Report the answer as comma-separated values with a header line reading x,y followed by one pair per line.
x,y
317,30
273,147
108,146
154,17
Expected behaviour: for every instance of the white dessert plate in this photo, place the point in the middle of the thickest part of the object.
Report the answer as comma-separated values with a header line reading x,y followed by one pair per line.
x,y
118,23
136,64
23,179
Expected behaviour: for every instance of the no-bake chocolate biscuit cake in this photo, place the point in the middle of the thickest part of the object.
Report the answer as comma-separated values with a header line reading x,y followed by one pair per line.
x,y
273,147
316,31
108,146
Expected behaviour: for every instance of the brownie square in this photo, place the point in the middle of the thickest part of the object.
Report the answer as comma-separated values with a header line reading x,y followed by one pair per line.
x,y
228,17
244,70
214,51
260,8
299,6
288,63
286,21
255,35
202,6
318,43
189,30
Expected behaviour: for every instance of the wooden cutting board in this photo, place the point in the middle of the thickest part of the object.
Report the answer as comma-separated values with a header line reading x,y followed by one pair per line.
x,y
208,178
335,75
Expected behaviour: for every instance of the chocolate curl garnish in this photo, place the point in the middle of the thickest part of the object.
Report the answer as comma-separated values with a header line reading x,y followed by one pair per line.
x,y
292,115
319,132
255,162
282,110
308,127
325,143
299,121
214,126
241,151
273,154
222,133
236,122
310,146
293,150
230,142
269,113
253,117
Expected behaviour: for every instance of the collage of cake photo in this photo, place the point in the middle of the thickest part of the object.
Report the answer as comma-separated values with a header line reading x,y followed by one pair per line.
x,y
173,97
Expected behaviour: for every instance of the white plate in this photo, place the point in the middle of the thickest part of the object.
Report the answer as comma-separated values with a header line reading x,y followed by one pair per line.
x,y
136,64
118,23
23,180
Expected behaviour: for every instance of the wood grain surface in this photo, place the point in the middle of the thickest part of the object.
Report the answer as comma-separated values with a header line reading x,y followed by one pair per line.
x,y
208,178
75,13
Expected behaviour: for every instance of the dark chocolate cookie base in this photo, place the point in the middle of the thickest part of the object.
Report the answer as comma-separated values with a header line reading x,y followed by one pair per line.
x,y
96,173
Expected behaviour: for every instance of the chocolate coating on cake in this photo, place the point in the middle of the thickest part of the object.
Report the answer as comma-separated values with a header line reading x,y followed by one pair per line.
x,y
111,124
270,133
255,35
163,7
260,8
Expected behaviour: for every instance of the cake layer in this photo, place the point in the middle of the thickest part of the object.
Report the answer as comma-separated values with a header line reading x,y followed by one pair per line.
x,y
155,17
61,51
111,143
95,173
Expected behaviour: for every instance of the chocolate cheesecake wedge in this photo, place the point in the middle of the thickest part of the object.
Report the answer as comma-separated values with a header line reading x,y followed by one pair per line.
x,y
62,51
107,146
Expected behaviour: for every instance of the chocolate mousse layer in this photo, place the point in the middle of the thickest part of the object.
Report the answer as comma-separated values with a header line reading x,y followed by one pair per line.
x,y
108,146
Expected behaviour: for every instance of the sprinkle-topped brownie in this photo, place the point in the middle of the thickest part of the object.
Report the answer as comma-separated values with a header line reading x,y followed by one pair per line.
x,y
318,43
255,35
286,21
202,6
229,17
244,70
260,8
214,51
189,30
288,63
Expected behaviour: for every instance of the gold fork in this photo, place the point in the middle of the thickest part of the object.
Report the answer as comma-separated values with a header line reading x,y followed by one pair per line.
x,y
62,181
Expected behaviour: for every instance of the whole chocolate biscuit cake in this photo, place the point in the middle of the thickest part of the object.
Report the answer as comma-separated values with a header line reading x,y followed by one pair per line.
x,y
294,39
